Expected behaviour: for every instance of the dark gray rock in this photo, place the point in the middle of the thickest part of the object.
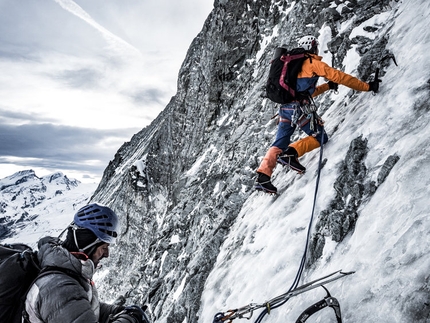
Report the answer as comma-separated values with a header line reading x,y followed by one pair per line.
x,y
339,219
386,168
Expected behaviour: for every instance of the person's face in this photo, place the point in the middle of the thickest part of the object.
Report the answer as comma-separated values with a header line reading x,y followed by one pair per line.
x,y
100,253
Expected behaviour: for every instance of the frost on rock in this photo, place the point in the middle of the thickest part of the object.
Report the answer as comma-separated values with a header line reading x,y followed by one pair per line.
x,y
350,186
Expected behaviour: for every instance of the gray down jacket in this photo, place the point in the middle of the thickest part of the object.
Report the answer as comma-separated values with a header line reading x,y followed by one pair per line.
x,y
69,295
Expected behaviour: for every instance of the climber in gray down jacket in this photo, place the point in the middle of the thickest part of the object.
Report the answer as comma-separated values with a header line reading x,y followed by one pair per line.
x,y
66,292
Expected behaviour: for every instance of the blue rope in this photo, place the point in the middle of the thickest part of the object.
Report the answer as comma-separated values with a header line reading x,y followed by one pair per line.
x,y
303,261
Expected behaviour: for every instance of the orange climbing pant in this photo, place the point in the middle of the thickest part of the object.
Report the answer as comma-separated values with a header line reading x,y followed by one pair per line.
x,y
269,161
302,146
305,145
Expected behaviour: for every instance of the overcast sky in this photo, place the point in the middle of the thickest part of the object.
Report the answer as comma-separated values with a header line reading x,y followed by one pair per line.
x,y
79,78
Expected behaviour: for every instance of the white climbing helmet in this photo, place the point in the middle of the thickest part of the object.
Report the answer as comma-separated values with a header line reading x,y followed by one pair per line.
x,y
308,43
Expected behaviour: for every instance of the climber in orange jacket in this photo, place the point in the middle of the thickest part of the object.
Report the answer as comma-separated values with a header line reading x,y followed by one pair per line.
x,y
291,114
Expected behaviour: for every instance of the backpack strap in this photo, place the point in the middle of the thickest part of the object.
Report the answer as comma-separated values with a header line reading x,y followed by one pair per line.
x,y
286,59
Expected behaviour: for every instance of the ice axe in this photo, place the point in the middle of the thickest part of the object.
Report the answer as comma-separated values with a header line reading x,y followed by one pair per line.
x,y
376,79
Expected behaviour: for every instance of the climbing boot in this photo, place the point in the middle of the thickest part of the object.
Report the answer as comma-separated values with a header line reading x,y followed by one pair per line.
x,y
290,158
264,184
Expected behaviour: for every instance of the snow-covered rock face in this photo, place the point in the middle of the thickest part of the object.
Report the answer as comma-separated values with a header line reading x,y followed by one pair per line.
x,y
32,206
196,239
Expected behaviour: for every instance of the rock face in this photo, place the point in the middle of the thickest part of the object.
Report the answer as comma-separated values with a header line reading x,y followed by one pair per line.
x,y
180,183
24,197
352,187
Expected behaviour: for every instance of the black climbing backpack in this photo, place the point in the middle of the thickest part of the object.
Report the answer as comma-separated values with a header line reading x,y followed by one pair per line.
x,y
284,68
19,267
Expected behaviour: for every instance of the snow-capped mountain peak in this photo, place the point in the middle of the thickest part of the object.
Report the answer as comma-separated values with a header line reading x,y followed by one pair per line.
x,y
32,205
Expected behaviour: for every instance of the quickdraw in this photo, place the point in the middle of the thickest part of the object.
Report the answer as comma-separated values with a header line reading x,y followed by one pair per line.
x,y
240,313
312,115
248,310
307,112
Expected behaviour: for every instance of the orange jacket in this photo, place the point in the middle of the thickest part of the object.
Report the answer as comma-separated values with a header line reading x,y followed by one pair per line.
x,y
313,68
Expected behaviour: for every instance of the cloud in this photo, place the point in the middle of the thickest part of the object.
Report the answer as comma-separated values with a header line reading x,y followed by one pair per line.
x,y
80,78
31,28
115,43
147,96
73,71
17,117
59,146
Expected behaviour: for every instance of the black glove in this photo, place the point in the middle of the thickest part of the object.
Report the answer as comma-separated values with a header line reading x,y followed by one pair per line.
x,y
137,313
332,85
122,317
374,85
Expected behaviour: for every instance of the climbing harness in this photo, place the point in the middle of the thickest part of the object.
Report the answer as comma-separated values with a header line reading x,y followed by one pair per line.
x,y
294,290
304,112
309,109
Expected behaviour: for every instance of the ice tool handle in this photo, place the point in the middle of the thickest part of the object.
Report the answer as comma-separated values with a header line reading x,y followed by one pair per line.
x,y
387,56
328,301
376,79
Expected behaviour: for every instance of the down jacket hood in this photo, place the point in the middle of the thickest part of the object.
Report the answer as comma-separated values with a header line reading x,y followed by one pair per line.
x,y
52,254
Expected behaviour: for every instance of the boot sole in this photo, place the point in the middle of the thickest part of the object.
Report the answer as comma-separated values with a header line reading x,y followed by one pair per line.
x,y
261,188
300,171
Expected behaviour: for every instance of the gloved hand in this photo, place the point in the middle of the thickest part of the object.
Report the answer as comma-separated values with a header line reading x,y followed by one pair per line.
x,y
374,85
332,85
137,313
